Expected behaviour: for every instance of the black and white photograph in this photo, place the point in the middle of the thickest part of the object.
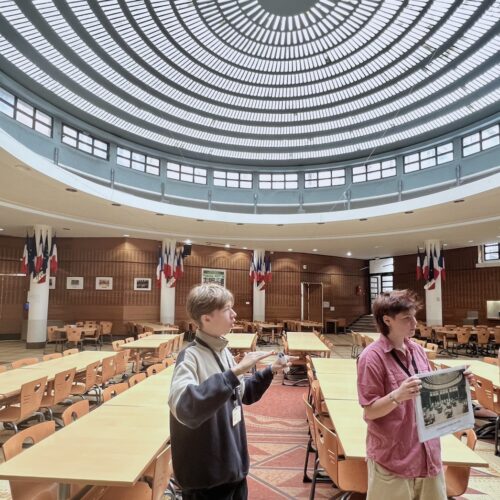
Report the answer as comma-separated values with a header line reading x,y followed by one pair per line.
x,y
142,284
74,283
444,405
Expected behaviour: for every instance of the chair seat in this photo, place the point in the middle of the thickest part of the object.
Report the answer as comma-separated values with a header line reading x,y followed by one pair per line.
x,y
47,401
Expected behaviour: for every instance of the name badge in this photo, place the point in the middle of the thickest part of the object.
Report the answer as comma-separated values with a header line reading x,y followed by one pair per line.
x,y
236,415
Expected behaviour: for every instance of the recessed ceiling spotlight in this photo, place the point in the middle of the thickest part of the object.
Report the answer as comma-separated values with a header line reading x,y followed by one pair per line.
x,y
376,246
290,249
458,201
315,249
349,254
227,245
471,241
188,242
498,236
71,190
1,228
245,248
116,204
445,244
127,235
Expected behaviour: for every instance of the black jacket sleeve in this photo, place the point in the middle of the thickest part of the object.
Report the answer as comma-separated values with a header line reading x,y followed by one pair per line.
x,y
257,385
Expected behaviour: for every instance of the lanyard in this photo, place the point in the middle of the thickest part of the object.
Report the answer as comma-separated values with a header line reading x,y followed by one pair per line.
x,y
236,393
402,366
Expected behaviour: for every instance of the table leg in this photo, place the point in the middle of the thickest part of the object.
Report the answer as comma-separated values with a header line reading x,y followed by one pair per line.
x,y
335,327
63,491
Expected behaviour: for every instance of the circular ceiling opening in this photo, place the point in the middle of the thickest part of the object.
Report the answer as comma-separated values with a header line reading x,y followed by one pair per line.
x,y
287,7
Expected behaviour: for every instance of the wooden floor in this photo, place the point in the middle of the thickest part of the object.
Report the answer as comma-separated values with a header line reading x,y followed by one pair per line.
x,y
483,484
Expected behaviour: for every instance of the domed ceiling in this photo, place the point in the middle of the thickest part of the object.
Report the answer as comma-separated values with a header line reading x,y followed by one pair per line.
x,y
260,82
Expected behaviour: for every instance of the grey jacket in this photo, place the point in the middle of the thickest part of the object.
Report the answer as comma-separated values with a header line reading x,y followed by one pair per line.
x,y
207,450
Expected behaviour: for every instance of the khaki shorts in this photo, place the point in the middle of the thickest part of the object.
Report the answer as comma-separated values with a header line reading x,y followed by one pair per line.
x,y
383,484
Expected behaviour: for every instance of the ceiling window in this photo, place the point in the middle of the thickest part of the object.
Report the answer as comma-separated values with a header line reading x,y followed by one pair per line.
x,y
84,142
324,178
240,180
24,113
485,139
492,251
374,171
186,174
138,161
278,181
428,158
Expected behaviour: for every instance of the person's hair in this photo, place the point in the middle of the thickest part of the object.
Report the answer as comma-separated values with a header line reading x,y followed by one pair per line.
x,y
204,299
391,304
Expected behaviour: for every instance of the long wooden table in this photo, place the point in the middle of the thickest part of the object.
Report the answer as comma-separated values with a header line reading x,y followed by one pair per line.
x,y
338,385
12,380
485,370
241,341
305,342
347,417
334,365
150,342
159,328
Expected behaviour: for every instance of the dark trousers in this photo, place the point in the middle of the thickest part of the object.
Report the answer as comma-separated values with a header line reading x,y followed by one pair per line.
x,y
233,491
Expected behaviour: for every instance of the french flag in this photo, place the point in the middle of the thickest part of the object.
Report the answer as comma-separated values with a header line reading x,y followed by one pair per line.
x,y
24,261
159,269
54,264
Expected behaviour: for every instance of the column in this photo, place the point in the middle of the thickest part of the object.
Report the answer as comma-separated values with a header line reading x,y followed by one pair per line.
x,y
38,299
259,294
167,292
433,300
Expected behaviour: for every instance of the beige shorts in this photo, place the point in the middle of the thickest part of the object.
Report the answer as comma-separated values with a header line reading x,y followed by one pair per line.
x,y
383,484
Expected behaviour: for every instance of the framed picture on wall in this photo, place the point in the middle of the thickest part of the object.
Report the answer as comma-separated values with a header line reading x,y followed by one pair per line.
x,y
52,282
142,284
214,276
74,283
104,283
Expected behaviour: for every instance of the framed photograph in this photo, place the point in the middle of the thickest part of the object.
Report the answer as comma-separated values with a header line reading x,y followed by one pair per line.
x,y
214,276
142,284
444,405
52,282
104,283
74,283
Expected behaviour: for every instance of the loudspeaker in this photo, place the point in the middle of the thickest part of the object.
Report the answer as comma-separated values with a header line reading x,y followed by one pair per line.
x,y
187,251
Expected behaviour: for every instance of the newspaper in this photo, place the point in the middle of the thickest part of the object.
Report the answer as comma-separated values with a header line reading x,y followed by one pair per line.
x,y
444,405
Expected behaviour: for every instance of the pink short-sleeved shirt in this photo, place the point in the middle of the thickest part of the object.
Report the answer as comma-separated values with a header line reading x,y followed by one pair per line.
x,y
392,440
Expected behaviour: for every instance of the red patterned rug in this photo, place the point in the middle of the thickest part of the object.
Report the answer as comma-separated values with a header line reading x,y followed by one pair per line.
x,y
277,440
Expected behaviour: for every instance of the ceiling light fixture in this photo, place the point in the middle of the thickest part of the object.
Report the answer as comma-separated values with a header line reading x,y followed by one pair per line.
x,y
458,201
363,219
116,204
315,249
188,242
127,235
290,249
227,245
349,254
71,190
409,212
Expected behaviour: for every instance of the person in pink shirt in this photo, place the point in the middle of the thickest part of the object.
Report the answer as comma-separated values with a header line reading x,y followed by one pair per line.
x,y
399,466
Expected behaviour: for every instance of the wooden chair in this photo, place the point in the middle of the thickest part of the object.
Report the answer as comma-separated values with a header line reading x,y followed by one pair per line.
x,y
168,362
129,339
461,341
69,352
107,372
482,345
24,362
75,411
489,398
58,390
141,335
106,328
116,345
163,351
3,368
74,337
94,339
26,406
348,475
84,383
154,369
457,478
54,337
141,490
24,490
121,362
135,379
54,355
491,361
113,390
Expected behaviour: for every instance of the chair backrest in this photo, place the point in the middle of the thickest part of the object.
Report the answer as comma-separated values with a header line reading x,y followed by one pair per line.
x,y
162,473
116,344
491,361
121,361
24,362
52,334
167,362
463,336
432,347
316,396
3,368
457,478
54,355
34,434
485,393
420,342
129,339
141,335
62,384
154,369
108,369
163,350
69,352
425,332
310,418
327,446
483,336
135,379
74,334
113,390
91,375
31,397
106,327
75,411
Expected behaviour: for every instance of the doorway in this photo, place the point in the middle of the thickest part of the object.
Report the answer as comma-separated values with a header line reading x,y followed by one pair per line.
x,y
311,301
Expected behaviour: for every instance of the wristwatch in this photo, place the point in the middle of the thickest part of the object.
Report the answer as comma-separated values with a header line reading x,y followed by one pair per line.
x,y
394,400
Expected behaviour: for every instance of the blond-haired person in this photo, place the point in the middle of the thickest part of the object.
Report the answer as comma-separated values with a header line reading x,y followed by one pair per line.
x,y
209,445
